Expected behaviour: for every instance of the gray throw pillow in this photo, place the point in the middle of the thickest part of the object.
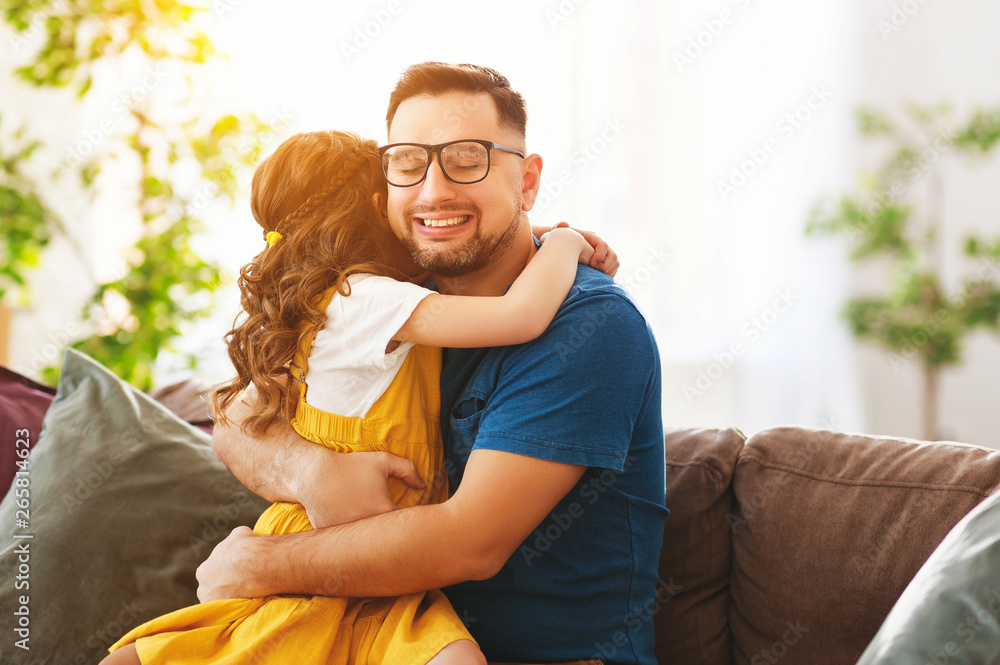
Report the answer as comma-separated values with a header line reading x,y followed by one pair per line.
x,y
950,611
120,501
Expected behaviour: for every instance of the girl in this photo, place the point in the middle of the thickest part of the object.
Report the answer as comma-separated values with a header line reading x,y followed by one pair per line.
x,y
333,302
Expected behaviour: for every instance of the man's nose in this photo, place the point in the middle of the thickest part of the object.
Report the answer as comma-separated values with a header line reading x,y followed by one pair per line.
x,y
436,186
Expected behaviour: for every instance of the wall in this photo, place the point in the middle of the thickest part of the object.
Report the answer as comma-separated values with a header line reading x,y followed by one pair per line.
x,y
702,266
940,51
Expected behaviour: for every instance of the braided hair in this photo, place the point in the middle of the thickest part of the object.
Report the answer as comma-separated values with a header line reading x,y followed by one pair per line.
x,y
350,166
315,191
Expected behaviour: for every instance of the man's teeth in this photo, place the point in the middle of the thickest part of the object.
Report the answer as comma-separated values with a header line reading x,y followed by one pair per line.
x,y
451,221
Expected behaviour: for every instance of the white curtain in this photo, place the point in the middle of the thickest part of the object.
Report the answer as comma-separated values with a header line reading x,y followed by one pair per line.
x,y
663,126
737,119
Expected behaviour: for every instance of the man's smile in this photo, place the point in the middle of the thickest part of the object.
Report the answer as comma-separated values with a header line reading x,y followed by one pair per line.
x,y
443,223
450,221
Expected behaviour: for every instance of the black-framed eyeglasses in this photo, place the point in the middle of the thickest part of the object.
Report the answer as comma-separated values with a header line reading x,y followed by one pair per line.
x,y
465,161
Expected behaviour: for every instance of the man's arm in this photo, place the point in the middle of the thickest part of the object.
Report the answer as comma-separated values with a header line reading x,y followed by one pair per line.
x,y
502,499
281,465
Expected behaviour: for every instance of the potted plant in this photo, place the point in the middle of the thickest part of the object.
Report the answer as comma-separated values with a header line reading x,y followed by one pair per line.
x,y
914,315
165,285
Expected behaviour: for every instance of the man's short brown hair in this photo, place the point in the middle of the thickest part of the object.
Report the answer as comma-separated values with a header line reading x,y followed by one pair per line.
x,y
437,78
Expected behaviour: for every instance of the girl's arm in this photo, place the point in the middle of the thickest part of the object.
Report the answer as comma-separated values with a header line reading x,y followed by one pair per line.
x,y
604,258
518,316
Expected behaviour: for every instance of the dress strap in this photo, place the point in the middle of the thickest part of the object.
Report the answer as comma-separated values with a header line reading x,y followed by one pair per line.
x,y
299,365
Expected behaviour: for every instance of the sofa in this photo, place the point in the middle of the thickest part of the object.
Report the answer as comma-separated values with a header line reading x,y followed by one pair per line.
x,y
795,544
791,546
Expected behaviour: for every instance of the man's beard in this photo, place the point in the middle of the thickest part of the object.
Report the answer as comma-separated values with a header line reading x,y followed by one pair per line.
x,y
477,253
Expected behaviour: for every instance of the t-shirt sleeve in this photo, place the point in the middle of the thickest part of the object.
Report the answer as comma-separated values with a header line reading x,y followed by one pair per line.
x,y
369,317
574,394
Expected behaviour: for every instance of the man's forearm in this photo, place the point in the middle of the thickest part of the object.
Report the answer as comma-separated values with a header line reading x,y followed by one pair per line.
x,y
334,487
395,553
267,467
503,498
270,466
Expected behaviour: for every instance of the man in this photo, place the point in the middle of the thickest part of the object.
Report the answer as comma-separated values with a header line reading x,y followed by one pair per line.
x,y
549,544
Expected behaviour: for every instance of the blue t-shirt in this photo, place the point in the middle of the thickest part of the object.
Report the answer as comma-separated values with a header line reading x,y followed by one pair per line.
x,y
587,392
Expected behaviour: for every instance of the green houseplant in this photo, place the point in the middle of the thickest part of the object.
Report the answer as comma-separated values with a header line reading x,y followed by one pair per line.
x,y
166,285
894,220
27,222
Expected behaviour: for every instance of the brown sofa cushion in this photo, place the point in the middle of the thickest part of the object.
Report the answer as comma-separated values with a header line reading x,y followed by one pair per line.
x,y
190,399
831,528
694,565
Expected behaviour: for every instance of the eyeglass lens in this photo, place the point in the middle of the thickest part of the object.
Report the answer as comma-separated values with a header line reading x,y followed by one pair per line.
x,y
462,162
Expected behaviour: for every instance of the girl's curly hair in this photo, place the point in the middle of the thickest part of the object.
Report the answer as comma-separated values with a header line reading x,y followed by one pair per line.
x,y
316,190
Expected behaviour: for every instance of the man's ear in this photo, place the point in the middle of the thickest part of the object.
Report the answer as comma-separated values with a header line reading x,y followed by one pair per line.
x,y
381,204
531,180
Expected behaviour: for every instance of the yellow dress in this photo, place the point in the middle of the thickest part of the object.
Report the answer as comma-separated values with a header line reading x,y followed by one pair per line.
x,y
302,630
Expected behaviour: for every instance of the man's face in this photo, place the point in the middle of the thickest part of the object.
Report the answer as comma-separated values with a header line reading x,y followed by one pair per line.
x,y
448,228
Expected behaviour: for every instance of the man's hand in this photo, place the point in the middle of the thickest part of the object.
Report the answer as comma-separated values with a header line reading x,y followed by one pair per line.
x,y
229,571
502,499
234,568
280,465
340,487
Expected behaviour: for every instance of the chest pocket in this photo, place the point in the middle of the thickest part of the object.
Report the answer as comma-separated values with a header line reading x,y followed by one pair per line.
x,y
464,425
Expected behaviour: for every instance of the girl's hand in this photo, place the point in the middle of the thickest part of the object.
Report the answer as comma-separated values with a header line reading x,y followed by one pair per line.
x,y
604,258
362,482
572,237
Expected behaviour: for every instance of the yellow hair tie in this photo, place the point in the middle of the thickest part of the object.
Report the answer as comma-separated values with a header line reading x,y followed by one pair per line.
x,y
272,237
